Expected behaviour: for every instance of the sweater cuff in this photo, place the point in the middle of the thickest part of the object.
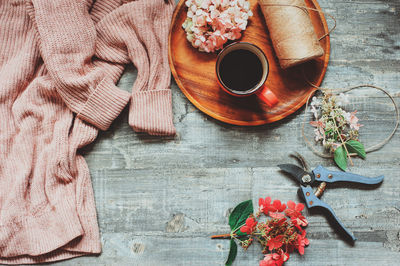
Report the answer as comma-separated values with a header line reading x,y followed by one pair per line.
x,y
151,112
104,105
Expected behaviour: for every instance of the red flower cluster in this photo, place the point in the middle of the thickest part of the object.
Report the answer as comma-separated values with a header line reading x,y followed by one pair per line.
x,y
279,235
274,259
294,212
249,227
274,210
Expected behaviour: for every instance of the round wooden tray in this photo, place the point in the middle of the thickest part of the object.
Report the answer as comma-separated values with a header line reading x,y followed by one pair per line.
x,y
194,73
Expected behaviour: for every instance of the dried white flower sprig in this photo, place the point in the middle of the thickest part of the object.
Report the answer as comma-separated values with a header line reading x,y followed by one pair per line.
x,y
335,128
211,23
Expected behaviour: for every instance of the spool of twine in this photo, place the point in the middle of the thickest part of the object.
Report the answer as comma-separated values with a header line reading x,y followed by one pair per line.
x,y
291,31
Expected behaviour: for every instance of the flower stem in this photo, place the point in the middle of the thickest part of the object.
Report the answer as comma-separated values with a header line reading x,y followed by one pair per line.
x,y
224,236
233,237
228,236
341,139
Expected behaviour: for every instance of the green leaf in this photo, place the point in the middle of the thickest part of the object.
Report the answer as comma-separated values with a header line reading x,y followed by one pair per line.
x,y
232,253
355,146
340,158
240,214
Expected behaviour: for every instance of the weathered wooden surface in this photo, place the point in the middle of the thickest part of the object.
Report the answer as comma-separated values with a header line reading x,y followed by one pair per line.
x,y
159,199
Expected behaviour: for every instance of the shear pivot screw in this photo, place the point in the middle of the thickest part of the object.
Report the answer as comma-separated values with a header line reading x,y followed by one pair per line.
x,y
308,194
330,176
318,175
306,178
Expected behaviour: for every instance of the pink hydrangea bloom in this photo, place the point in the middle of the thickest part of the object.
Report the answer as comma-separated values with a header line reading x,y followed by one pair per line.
x,y
211,23
354,121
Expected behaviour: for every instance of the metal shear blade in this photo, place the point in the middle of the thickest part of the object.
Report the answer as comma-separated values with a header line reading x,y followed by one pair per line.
x,y
298,173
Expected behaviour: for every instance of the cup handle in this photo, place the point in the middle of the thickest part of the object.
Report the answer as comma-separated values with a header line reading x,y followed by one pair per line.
x,y
267,96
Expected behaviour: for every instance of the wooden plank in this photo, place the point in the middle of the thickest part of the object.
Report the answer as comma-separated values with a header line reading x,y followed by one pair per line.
x,y
144,250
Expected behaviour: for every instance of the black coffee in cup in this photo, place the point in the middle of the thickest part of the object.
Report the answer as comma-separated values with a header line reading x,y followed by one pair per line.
x,y
241,70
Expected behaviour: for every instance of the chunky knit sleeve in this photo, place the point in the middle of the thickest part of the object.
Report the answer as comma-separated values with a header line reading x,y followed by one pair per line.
x,y
137,31
67,43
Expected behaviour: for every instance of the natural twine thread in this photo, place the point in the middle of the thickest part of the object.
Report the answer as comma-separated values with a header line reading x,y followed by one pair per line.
x,y
305,8
337,91
294,39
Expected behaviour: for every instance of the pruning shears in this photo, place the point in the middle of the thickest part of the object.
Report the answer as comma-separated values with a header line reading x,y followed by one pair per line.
x,y
321,175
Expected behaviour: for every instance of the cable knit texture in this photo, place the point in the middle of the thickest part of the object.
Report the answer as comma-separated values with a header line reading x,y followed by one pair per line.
x,y
59,62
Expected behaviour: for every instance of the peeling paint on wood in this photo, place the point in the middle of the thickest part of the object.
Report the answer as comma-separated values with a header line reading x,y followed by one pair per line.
x,y
177,224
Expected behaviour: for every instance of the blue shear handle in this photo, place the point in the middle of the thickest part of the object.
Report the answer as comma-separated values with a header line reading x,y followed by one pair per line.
x,y
312,201
323,174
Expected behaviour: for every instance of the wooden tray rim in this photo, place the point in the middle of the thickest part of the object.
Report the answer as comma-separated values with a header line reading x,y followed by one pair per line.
x,y
241,122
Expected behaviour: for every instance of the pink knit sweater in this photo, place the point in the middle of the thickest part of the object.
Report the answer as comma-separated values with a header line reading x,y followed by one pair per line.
x,y
59,62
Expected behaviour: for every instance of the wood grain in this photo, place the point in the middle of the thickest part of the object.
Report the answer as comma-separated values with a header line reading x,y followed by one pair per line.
x,y
194,73
160,199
